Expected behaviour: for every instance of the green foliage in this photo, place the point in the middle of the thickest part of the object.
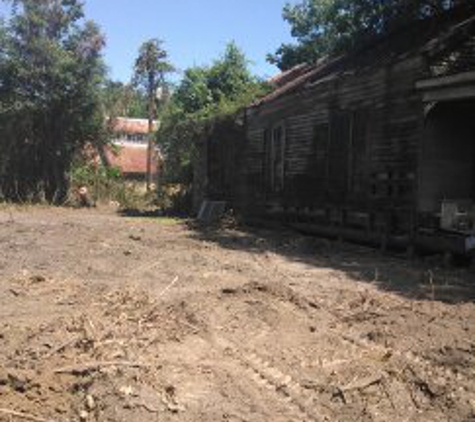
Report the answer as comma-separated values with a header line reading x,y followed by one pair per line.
x,y
152,65
205,95
323,27
194,93
50,77
123,100
105,185
151,69
86,174
229,77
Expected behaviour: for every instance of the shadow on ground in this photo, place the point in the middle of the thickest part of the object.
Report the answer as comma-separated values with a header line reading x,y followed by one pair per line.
x,y
139,213
150,213
423,278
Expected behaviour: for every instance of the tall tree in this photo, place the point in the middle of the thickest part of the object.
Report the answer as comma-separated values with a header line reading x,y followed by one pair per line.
x,y
51,72
226,80
151,69
194,93
203,95
323,27
230,75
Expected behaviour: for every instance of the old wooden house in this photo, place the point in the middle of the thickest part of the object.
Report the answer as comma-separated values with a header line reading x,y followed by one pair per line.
x,y
375,146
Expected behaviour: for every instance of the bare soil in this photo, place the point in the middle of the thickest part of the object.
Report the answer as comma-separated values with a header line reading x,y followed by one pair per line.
x,y
110,318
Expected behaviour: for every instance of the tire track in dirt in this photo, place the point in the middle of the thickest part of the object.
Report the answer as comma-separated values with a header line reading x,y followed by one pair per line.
x,y
418,364
407,359
303,305
296,399
404,370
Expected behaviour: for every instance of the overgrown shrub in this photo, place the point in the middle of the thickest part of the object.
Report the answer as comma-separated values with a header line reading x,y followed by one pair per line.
x,y
106,185
51,71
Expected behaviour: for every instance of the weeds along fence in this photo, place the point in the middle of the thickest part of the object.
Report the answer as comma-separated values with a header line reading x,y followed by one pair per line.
x,y
107,185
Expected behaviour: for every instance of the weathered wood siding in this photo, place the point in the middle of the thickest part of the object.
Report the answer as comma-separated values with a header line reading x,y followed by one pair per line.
x,y
351,147
353,158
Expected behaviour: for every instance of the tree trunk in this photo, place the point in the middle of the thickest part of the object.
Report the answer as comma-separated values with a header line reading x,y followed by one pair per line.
x,y
151,118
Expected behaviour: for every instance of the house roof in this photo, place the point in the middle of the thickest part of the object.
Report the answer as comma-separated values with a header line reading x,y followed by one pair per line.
x,y
131,159
283,78
428,37
294,80
131,126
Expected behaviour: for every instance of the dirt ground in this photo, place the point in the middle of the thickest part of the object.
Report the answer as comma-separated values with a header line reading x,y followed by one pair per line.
x,y
111,318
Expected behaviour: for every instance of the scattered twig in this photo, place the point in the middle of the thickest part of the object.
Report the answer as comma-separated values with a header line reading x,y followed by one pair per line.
x,y
362,383
14,292
165,290
145,267
363,316
147,407
25,416
61,347
388,395
96,366
92,328
187,324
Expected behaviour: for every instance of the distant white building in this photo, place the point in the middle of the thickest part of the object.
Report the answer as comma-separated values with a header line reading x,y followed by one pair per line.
x,y
131,140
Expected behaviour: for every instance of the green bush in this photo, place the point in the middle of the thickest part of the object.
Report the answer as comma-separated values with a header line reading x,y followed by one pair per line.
x,y
106,185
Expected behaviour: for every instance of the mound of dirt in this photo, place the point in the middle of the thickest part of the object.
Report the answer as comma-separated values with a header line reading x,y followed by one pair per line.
x,y
96,365
106,318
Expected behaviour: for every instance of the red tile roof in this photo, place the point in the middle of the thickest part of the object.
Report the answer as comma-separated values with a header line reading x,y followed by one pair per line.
x,y
131,126
131,159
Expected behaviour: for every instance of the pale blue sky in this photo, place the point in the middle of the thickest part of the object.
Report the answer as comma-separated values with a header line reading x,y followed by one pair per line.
x,y
195,31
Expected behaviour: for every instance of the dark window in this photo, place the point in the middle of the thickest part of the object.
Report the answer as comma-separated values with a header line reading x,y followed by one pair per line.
x,y
275,158
320,145
347,153
359,152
